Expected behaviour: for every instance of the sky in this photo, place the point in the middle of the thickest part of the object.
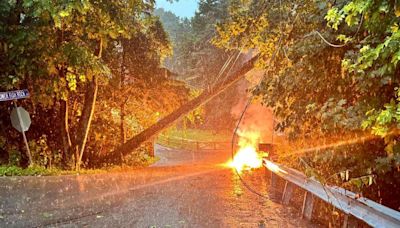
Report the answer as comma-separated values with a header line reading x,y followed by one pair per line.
x,y
181,8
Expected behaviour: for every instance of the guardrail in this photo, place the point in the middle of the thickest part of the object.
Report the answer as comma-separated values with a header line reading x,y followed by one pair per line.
x,y
192,144
372,213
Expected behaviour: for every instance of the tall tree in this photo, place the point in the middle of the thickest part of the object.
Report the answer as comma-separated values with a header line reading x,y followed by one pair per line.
x,y
200,63
56,49
327,63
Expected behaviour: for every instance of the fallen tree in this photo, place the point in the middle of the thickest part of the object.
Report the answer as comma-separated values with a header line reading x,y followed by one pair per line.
x,y
133,143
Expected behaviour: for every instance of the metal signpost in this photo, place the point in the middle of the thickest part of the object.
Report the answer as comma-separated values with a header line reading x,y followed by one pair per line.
x,y
20,119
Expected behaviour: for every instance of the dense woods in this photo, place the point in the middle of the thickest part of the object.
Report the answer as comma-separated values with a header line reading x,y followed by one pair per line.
x,y
331,77
201,64
94,72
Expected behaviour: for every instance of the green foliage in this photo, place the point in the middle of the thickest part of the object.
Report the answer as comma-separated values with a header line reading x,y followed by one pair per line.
x,y
3,142
42,154
42,171
14,157
141,157
195,59
377,58
197,134
59,51
186,138
198,62
334,18
30,171
320,94
195,117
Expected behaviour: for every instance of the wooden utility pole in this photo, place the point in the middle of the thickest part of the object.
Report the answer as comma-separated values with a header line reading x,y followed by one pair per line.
x,y
206,96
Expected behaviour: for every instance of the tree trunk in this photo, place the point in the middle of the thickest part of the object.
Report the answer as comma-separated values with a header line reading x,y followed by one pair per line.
x,y
15,15
85,121
66,138
87,115
207,95
122,124
122,106
122,128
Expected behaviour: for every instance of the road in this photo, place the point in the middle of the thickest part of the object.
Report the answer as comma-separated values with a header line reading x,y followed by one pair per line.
x,y
182,190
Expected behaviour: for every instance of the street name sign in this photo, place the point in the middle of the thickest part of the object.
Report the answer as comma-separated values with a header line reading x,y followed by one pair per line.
x,y
14,95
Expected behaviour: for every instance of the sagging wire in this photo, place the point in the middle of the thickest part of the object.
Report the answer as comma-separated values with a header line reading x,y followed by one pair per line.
x,y
251,98
233,154
240,120
275,53
233,64
264,7
337,45
223,68
226,65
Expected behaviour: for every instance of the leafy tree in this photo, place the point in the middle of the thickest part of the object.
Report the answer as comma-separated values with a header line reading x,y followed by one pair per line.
x,y
330,67
199,63
62,52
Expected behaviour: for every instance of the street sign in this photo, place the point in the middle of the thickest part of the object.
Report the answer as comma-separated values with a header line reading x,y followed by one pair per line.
x,y
14,95
20,119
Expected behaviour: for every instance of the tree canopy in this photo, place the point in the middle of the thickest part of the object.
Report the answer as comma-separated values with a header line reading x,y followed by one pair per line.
x,y
331,74
84,62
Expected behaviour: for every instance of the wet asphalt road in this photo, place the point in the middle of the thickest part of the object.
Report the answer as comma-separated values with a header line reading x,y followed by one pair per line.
x,y
183,190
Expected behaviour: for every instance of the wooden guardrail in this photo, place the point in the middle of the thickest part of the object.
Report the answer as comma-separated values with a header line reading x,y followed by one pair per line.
x,y
192,144
372,213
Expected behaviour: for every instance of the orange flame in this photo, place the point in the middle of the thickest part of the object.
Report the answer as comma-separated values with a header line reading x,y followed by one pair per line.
x,y
247,156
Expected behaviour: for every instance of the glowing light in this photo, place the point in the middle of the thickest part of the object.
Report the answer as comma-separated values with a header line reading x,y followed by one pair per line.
x,y
274,167
247,156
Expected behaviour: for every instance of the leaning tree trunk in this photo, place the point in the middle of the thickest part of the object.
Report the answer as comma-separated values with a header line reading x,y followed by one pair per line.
x,y
85,121
207,95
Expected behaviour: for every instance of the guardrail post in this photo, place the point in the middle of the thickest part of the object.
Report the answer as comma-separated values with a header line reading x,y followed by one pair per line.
x,y
349,222
273,193
266,175
308,204
287,193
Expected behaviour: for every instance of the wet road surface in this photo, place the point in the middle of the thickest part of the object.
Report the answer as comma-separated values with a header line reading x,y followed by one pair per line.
x,y
180,191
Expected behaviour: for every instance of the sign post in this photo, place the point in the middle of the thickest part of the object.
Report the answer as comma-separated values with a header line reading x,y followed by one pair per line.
x,y
20,119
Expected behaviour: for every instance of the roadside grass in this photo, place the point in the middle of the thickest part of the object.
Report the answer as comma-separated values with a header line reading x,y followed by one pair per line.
x,y
12,170
176,135
197,135
192,139
30,171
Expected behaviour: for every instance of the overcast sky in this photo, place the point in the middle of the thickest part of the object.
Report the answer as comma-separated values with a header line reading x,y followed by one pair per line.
x,y
182,8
